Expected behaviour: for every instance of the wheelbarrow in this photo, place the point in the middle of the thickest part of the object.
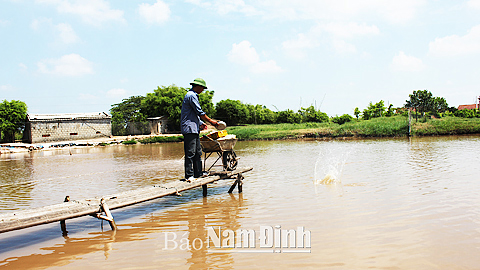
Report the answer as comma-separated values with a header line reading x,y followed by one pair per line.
x,y
223,147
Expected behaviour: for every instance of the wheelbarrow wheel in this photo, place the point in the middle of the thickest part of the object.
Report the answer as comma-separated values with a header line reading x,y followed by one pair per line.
x,y
229,160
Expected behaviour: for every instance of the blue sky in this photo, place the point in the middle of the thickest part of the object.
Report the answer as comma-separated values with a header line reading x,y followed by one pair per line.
x,y
73,56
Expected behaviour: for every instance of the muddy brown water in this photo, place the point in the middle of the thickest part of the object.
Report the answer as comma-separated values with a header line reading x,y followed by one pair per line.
x,y
381,204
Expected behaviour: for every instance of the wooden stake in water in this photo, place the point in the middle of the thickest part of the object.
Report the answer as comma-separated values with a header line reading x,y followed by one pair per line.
x,y
409,122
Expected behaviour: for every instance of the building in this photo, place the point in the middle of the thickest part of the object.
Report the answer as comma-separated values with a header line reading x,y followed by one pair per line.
x,y
158,125
468,107
66,127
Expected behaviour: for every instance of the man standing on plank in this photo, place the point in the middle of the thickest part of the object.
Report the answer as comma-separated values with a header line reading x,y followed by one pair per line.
x,y
191,123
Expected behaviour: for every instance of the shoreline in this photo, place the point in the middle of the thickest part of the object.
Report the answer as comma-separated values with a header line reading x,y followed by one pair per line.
x,y
13,148
380,128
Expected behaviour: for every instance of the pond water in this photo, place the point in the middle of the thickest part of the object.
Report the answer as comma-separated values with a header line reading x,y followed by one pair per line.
x,y
381,204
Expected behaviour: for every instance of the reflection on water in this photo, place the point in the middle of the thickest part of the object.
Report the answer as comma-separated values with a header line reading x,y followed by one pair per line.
x,y
148,236
390,203
45,178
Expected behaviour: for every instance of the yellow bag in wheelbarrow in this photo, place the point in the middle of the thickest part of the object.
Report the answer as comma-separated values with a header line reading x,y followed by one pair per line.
x,y
217,134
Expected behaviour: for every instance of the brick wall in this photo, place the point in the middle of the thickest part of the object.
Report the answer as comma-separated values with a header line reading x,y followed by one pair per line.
x,y
66,130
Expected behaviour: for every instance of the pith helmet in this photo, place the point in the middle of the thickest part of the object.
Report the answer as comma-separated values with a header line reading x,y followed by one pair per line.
x,y
199,81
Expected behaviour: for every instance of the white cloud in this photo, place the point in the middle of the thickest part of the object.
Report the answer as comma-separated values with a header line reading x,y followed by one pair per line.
x,y
302,41
335,31
36,23
63,31
457,45
156,13
6,88
93,12
199,3
343,47
350,30
4,23
403,62
66,33
474,4
295,47
117,93
67,65
243,53
339,10
269,66
22,66
224,7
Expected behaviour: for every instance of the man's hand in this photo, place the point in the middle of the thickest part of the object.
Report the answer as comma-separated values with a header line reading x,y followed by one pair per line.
x,y
214,123
203,127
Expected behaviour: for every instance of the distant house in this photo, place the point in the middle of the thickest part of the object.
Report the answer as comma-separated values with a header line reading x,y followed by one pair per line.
x,y
468,107
158,125
65,127
153,126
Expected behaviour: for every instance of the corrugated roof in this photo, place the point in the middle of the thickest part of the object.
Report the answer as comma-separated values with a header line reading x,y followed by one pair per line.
x,y
69,116
158,118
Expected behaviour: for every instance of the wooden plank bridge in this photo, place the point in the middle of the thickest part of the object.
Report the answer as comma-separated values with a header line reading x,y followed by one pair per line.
x,y
100,207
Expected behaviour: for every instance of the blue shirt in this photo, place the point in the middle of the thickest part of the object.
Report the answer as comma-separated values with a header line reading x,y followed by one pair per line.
x,y
191,111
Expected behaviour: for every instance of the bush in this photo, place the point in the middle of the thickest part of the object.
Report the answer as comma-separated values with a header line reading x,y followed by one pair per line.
x,y
288,116
468,113
342,119
129,142
309,114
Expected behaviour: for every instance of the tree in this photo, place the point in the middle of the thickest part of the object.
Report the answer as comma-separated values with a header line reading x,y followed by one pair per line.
x,y
205,99
233,112
421,101
357,112
270,116
309,114
374,110
167,101
288,116
128,111
389,110
439,105
12,118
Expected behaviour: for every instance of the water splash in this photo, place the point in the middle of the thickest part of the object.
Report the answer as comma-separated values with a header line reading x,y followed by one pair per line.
x,y
328,179
330,162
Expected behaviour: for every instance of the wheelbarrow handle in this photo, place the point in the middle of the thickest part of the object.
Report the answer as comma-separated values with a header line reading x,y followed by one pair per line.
x,y
208,138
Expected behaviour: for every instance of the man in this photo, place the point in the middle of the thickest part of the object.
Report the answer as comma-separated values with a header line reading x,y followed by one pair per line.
x,y
191,125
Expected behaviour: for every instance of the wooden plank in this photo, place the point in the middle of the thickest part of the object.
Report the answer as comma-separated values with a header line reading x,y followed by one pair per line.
x,y
76,208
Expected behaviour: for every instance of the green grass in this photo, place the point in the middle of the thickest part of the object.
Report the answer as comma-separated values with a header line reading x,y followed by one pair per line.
x,y
396,126
377,127
276,131
447,126
162,139
130,142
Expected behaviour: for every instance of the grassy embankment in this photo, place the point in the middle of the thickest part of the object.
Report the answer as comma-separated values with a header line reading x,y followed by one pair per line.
x,y
396,126
447,126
